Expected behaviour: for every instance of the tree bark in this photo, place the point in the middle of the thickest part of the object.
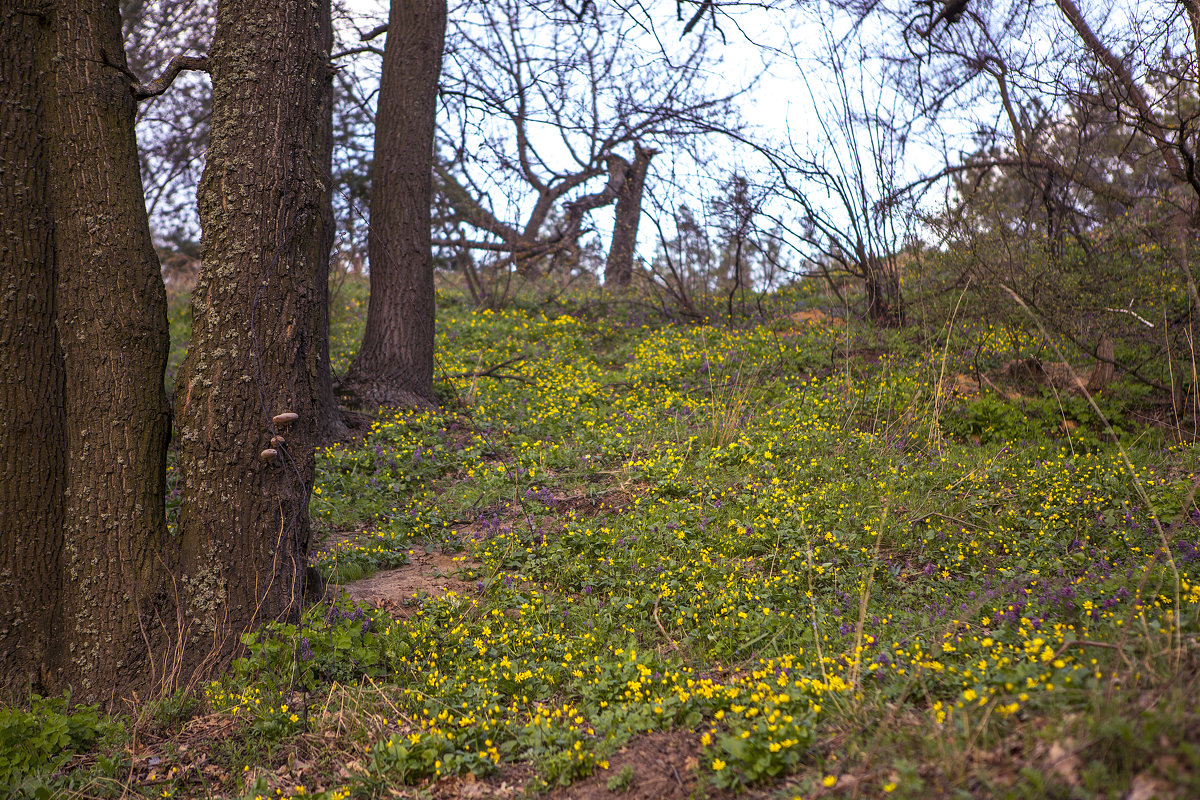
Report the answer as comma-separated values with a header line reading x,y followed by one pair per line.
x,y
254,354
330,424
116,605
618,269
394,366
885,301
32,433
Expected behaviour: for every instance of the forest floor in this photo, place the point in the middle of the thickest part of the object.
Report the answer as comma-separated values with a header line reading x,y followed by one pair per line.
x,y
783,559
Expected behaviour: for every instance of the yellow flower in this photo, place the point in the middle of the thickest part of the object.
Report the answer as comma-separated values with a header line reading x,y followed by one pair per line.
x,y
718,765
829,780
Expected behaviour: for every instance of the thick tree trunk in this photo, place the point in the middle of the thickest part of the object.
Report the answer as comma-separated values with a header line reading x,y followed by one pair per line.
x,y
254,354
112,327
32,433
394,366
618,269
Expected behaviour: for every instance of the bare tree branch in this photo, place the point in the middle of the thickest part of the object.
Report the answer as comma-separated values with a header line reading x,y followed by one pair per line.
x,y
378,30
353,51
163,82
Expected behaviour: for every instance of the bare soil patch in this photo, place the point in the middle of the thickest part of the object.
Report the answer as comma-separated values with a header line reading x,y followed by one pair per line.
x,y
509,782
426,575
663,764
961,384
868,355
593,505
814,316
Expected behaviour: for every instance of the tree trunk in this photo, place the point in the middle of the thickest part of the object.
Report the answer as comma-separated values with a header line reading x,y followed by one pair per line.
x,y
330,424
254,354
32,434
885,303
1104,372
112,327
618,269
394,366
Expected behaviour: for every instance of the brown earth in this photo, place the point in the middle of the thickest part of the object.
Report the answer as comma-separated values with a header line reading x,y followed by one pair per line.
x,y
426,575
663,765
509,782
814,316
962,385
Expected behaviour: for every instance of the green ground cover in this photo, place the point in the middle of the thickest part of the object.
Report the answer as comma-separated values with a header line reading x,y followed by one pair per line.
x,y
790,541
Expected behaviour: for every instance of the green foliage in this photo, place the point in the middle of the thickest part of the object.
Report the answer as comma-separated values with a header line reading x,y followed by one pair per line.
x,y
333,643
413,759
769,745
1115,282
34,743
990,419
179,318
355,561
621,780
727,534
757,482
176,709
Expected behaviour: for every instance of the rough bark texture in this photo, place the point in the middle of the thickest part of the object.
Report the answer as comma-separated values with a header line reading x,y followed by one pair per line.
x,y
618,269
330,424
32,435
254,353
394,366
112,328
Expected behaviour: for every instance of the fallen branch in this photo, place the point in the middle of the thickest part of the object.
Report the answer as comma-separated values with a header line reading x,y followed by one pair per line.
x,y
661,629
923,517
989,382
1132,313
493,372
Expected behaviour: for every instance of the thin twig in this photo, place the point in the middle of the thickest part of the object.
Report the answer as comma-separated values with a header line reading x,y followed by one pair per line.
x,y
1089,643
923,517
492,371
661,629
353,51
